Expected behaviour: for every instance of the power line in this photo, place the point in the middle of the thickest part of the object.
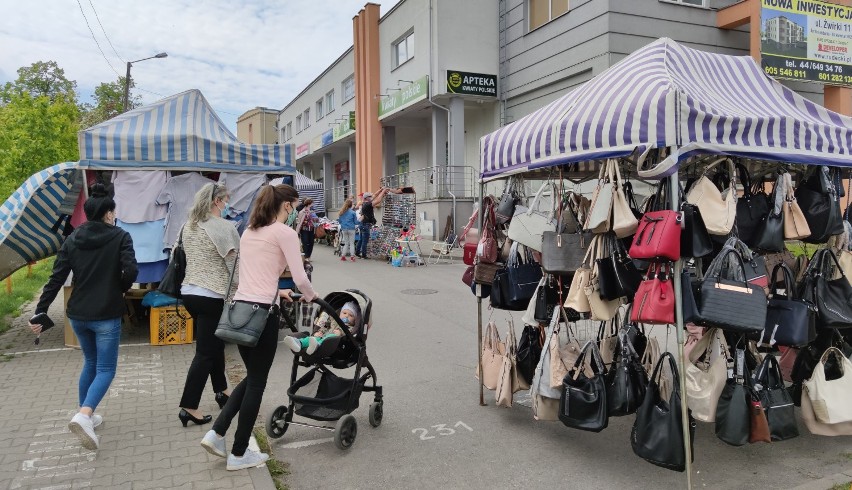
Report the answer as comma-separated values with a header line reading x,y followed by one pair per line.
x,y
96,39
104,31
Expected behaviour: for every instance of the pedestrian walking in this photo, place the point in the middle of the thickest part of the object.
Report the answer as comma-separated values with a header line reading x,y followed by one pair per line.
x,y
348,223
368,219
305,226
211,244
267,247
101,257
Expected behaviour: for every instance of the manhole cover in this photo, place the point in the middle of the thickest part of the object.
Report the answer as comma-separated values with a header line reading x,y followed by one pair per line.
x,y
419,292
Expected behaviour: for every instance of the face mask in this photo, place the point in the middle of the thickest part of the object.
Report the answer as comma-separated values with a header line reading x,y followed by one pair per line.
x,y
224,212
292,217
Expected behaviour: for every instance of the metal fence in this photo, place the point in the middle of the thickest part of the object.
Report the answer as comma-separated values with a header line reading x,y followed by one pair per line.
x,y
436,182
336,195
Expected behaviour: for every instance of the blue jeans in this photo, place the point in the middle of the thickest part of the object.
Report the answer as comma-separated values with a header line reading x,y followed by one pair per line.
x,y
99,343
364,239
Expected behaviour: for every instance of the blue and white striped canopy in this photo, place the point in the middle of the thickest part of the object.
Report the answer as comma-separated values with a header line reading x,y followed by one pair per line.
x,y
29,220
307,187
668,95
181,132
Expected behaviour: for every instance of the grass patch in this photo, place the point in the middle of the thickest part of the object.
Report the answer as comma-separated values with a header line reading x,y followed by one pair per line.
x,y
24,290
277,469
802,248
841,486
6,357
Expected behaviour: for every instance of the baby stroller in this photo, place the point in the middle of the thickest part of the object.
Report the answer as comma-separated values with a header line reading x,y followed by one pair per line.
x,y
335,397
338,242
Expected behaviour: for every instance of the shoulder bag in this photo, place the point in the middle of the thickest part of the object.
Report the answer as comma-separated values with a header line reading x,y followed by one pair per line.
x,y
719,209
509,381
658,432
528,224
577,299
176,271
562,251
834,296
831,399
583,402
654,302
241,322
616,271
733,305
524,276
502,289
493,351
624,222
776,400
529,351
769,236
795,225
508,201
789,321
752,207
600,211
486,249
706,373
563,356
545,400
658,233
626,380
817,198
732,411
694,239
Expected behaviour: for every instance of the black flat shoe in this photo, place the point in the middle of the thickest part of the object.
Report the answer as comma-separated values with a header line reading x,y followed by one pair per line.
x,y
185,417
221,399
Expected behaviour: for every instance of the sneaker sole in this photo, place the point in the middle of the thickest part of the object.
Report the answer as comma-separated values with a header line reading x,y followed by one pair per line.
x,y
244,466
86,439
212,450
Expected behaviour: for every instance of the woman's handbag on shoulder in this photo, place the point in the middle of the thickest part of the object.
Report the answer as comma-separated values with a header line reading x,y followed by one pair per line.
x,y
242,323
719,209
583,403
658,432
175,272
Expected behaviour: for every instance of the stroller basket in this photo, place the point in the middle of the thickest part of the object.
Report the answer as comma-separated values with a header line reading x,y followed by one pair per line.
x,y
334,396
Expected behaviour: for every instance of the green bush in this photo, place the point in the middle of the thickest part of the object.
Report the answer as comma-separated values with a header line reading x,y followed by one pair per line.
x,y
24,289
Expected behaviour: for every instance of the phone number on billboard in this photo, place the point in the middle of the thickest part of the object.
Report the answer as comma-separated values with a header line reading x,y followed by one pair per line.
x,y
810,71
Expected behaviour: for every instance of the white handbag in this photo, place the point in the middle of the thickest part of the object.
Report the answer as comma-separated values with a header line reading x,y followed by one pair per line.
x,y
831,399
624,222
528,224
600,211
706,373
719,210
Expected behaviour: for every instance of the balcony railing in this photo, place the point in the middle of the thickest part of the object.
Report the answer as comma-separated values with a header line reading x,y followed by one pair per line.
x,y
436,182
336,195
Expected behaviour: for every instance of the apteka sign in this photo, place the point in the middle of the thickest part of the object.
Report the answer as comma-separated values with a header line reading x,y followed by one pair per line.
x,y
460,82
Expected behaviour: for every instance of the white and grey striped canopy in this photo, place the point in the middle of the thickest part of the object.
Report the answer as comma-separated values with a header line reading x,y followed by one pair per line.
x,y
668,95
181,132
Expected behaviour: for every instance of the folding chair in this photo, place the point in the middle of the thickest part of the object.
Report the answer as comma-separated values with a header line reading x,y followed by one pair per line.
x,y
443,249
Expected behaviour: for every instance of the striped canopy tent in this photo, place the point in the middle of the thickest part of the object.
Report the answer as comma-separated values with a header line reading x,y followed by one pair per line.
x,y
307,187
33,218
666,95
181,132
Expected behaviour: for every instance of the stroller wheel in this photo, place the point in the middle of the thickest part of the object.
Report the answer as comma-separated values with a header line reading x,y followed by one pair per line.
x,y
276,423
345,432
376,414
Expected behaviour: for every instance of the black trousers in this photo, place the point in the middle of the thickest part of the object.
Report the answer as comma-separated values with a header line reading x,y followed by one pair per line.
x,y
247,396
307,242
209,357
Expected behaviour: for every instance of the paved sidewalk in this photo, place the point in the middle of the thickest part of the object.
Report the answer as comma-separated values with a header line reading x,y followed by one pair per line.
x,y
143,444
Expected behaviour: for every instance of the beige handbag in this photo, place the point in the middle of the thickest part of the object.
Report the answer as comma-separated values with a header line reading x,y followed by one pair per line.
x,y
831,399
818,428
600,211
493,351
795,225
624,222
845,259
719,210
510,382
562,357
577,299
706,373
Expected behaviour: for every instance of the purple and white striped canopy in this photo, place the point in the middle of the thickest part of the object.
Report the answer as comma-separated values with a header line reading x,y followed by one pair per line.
x,y
668,95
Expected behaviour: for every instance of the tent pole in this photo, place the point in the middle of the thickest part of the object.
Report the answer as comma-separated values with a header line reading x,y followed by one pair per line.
x,y
479,311
679,328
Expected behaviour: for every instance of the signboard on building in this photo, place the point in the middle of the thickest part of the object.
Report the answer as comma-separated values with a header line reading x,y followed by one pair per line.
x,y
806,40
302,150
316,143
462,82
327,137
345,128
406,96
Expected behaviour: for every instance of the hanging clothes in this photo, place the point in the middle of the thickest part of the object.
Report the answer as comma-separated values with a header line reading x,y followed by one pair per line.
x,y
179,193
242,188
147,239
136,194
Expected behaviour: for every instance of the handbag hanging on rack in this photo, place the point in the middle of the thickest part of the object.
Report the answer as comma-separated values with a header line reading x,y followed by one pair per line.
x,y
528,224
732,411
508,200
695,241
626,381
577,299
617,273
624,222
776,400
706,372
493,350
529,351
818,200
752,207
831,399
658,233
599,218
524,275
583,404
719,209
654,302
658,432
795,225
789,321
509,382
486,250
769,236
833,297
562,250
545,400
733,305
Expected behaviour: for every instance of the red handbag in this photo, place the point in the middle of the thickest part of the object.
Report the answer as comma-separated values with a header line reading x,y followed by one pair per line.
x,y
487,247
469,253
467,277
658,234
654,301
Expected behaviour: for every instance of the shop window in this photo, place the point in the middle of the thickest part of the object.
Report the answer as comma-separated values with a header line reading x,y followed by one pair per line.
x,y
306,118
541,12
319,110
402,164
298,124
329,102
348,88
403,49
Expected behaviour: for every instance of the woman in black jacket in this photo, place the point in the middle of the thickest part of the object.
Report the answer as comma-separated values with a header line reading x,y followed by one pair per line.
x,y
102,259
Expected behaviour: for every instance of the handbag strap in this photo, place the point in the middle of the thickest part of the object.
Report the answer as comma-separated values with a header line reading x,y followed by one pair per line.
x,y
596,363
658,372
231,279
789,290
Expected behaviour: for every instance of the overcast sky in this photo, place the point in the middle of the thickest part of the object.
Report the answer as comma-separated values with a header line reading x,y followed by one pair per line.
x,y
240,54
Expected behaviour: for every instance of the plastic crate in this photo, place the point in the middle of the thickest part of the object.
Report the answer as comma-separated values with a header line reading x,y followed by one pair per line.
x,y
168,328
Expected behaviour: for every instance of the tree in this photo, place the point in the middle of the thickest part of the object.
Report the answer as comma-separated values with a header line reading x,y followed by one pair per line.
x,y
109,102
42,78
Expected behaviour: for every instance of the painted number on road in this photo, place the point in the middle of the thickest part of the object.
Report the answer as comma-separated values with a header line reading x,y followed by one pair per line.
x,y
441,430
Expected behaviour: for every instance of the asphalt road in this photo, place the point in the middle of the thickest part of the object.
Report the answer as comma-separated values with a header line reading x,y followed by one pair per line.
x,y
436,435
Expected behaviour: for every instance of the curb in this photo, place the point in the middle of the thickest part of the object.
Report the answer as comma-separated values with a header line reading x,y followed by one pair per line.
x,y
260,477
829,481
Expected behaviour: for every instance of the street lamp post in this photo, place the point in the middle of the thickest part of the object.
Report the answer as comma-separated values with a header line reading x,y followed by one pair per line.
x,y
127,78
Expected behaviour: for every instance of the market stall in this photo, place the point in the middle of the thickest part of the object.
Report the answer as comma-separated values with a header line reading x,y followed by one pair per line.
x,y
705,121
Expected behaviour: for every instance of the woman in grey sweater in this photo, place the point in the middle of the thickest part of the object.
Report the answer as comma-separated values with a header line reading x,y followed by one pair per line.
x,y
211,244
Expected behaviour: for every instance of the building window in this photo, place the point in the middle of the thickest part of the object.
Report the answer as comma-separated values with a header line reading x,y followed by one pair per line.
x,y
306,118
543,11
402,164
298,124
329,102
288,131
348,88
320,114
250,134
403,49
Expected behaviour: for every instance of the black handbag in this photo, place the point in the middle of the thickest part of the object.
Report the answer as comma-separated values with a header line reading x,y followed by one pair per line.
x,y
752,207
548,297
729,304
583,402
524,277
635,333
689,291
817,197
776,400
506,207
732,411
657,435
833,297
626,381
501,293
789,321
770,234
529,351
242,322
175,272
695,241
617,275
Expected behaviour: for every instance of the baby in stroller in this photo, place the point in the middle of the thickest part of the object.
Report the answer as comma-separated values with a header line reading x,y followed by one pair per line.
x,y
325,329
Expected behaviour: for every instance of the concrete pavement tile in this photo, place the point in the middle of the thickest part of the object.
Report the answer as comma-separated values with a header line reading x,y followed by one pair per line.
x,y
185,486
192,478
102,481
163,464
165,482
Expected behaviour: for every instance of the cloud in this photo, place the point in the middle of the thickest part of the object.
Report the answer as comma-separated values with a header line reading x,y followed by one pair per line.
x,y
239,54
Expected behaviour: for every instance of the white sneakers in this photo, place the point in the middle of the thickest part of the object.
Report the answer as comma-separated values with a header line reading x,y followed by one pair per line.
x,y
312,345
248,460
97,420
83,427
214,444
295,344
